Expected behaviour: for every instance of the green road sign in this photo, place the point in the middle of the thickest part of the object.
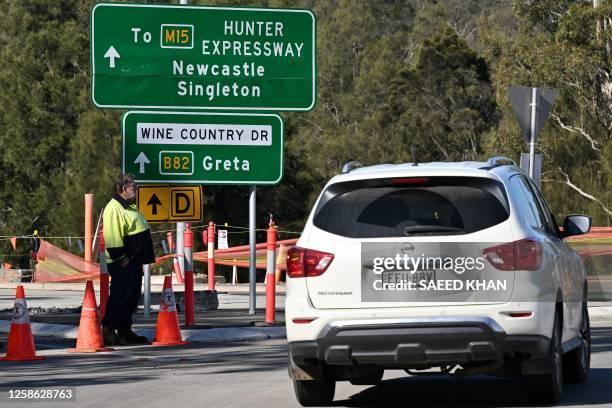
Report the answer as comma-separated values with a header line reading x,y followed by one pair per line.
x,y
194,57
203,148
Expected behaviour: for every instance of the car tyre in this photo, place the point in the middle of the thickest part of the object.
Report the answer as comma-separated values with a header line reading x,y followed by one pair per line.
x,y
311,393
548,388
577,362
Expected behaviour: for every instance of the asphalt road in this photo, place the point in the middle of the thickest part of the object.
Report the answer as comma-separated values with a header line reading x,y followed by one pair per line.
x,y
600,288
64,299
255,375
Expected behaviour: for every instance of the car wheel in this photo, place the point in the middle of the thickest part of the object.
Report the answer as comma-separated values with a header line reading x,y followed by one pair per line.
x,y
577,362
314,392
547,388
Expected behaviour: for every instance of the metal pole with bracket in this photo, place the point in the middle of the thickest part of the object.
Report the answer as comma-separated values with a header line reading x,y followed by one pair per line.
x,y
534,112
252,253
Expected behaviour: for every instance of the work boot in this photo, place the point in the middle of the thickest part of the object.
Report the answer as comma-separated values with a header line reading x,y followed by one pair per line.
x,y
111,338
132,338
108,335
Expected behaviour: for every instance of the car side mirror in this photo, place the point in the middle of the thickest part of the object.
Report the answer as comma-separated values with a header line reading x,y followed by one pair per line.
x,y
576,225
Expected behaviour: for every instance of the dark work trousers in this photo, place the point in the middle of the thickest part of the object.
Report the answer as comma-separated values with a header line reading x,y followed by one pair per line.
x,y
125,288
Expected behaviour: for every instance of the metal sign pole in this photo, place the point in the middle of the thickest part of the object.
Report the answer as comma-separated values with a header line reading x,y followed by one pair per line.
x,y
180,226
534,111
252,257
188,298
180,248
180,229
531,106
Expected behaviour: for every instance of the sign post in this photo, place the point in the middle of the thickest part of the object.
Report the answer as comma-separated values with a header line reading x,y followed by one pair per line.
x,y
537,167
532,136
197,57
252,250
531,106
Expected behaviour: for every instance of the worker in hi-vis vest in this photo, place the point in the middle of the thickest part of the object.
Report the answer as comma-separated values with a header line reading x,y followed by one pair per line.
x,y
128,247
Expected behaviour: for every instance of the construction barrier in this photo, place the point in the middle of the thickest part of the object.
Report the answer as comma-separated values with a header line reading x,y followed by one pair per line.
x,y
239,255
57,265
104,277
596,233
177,271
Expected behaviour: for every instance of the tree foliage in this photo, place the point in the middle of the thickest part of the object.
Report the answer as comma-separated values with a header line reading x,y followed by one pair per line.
x,y
573,56
395,78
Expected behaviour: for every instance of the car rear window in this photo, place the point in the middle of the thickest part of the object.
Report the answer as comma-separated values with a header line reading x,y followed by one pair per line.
x,y
400,207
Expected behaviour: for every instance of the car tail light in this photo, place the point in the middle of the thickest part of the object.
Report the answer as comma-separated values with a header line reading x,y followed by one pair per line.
x,y
528,254
302,262
303,320
520,314
525,254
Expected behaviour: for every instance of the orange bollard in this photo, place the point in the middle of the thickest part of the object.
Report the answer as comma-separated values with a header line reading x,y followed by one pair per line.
x,y
177,271
89,338
170,242
211,255
271,281
188,253
20,342
167,330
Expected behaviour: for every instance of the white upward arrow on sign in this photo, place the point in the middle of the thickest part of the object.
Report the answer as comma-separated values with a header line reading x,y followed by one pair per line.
x,y
142,160
112,54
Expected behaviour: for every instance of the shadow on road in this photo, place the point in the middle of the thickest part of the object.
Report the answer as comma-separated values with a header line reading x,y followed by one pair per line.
x,y
445,391
474,391
135,364
601,339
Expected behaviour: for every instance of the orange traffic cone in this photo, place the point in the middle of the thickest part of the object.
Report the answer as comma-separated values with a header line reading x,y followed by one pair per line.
x,y
89,338
20,342
167,331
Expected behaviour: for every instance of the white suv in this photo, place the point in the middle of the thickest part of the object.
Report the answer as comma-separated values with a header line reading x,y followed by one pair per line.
x,y
502,295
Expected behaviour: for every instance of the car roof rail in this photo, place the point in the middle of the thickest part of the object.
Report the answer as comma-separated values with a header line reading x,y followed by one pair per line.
x,y
351,166
497,161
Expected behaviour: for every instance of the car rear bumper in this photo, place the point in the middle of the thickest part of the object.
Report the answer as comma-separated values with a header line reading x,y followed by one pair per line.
x,y
422,342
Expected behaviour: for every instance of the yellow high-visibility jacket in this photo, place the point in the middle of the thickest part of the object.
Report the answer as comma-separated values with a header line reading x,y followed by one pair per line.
x,y
126,233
